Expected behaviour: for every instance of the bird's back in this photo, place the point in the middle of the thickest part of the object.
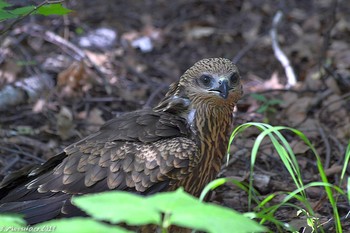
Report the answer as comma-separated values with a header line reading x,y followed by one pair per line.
x,y
141,152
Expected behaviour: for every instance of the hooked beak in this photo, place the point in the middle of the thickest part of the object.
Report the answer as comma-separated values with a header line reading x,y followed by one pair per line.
x,y
223,88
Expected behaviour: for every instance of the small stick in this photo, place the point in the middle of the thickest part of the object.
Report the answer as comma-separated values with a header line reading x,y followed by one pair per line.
x,y
283,59
68,47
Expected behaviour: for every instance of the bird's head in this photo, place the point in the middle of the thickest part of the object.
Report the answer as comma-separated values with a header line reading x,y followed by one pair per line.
x,y
214,81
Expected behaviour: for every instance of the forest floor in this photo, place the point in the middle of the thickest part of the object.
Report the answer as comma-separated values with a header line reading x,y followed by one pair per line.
x,y
106,58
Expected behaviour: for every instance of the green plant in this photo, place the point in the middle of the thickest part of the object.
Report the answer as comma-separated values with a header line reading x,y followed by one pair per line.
x,y
163,209
289,160
268,106
46,8
7,221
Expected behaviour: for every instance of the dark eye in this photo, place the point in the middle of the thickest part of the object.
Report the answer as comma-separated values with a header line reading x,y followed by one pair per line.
x,y
234,77
206,80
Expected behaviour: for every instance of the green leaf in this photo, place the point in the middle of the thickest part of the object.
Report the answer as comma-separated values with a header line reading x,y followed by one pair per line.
x,y
22,10
11,220
262,109
211,186
259,97
119,207
78,225
184,210
79,31
275,102
53,9
346,162
180,209
4,4
6,15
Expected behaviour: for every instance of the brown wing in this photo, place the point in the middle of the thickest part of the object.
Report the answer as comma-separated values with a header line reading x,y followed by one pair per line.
x,y
142,152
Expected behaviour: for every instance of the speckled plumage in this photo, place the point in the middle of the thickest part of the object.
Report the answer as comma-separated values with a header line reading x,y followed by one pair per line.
x,y
180,142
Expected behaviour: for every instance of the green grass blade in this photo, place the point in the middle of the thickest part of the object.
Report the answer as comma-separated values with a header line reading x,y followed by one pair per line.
x,y
290,162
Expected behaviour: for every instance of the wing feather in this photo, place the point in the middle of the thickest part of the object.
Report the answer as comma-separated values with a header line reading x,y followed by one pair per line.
x,y
142,152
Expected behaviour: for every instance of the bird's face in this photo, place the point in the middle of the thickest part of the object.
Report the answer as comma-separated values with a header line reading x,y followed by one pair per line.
x,y
214,79
211,83
214,84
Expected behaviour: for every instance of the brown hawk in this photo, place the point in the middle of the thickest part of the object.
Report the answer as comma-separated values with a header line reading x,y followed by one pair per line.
x,y
180,142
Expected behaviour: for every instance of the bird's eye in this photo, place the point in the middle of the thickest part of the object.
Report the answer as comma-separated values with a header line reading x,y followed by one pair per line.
x,y
234,78
206,80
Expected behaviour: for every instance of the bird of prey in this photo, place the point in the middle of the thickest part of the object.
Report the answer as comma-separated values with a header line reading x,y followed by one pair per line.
x,y
180,142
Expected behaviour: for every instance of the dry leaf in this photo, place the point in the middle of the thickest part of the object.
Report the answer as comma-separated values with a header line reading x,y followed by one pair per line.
x,y
333,85
65,124
93,118
288,99
9,71
299,147
297,112
273,82
262,182
39,105
76,77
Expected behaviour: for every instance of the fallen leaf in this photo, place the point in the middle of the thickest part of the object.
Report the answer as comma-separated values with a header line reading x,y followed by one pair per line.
x,y
65,124
75,78
297,112
299,147
94,120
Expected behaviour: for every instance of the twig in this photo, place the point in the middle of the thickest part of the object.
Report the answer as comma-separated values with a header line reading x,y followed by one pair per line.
x,y
291,78
342,97
102,99
330,222
17,116
8,28
67,47
23,153
23,140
